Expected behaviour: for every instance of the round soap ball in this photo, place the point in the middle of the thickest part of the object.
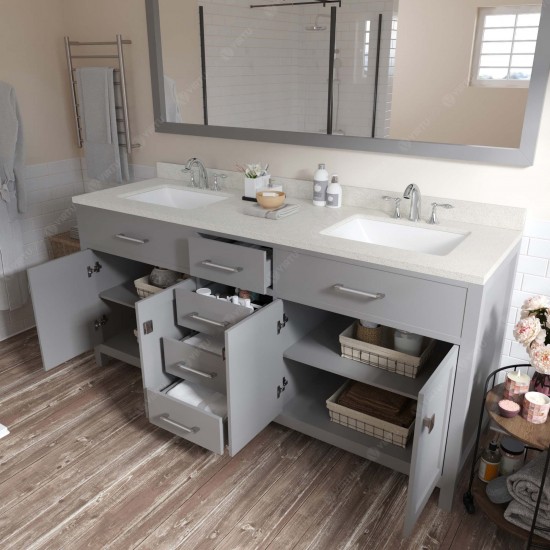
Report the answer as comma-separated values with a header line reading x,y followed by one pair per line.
x,y
508,408
270,199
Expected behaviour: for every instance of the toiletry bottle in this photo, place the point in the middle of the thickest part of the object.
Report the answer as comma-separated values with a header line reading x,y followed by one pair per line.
x,y
489,463
320,184
334,193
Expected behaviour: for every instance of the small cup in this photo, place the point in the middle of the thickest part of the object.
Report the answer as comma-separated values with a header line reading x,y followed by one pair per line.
x,y
204,291
508,408
535,407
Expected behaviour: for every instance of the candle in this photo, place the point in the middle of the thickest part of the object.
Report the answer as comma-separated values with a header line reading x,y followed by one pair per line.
x,y
535,407
519,377
516,385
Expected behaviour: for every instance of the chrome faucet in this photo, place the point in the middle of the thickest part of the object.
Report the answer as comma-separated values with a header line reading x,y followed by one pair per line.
x,y
412,192
203,174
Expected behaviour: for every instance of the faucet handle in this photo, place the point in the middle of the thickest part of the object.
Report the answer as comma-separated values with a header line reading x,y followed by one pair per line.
x,y
216,185
433,218
397,200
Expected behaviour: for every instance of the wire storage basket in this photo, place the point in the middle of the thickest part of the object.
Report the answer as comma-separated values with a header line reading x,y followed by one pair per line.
x,y
367,424
383,356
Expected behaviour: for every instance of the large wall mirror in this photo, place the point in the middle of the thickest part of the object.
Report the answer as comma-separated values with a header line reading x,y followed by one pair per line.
x,y
460,79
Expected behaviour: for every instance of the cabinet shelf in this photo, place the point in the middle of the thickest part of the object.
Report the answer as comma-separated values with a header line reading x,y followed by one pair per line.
x,y
123,346
307,413
124,294
321,349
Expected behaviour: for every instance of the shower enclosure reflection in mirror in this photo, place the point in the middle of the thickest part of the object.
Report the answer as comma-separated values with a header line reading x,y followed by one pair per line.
x,y
333,74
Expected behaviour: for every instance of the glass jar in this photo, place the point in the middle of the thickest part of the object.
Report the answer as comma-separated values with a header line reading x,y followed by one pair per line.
x,y
489,463
512,452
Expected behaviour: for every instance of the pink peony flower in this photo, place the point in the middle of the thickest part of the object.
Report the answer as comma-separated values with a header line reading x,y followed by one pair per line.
x,y
540,359
534,303
527,330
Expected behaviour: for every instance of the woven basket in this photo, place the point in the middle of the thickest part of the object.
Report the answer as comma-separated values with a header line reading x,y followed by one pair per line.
x,y
144,289
383,356
62,244
366,424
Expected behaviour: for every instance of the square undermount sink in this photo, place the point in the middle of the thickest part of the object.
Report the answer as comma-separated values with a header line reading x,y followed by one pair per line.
x,y
176,197
428,240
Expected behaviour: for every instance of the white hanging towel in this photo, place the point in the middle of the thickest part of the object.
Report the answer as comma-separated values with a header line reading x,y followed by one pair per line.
x,y
13,277
173,111
14,291
11,147
97,107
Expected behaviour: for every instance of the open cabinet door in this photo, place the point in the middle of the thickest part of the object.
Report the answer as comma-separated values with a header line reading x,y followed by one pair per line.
x,y
254,366
430,438
66,302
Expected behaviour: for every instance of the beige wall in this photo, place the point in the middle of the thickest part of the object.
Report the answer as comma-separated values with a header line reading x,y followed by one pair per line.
x,y
32,60
527,187
432,100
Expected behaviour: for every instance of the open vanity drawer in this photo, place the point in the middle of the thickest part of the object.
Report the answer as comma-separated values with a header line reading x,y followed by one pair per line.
x,y
195,363
250,376
206,314
192,423
239,265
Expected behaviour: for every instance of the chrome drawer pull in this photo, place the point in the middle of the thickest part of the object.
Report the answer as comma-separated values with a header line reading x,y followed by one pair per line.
x,y
123,237
209,375
166,418
197,317
209,263
346,290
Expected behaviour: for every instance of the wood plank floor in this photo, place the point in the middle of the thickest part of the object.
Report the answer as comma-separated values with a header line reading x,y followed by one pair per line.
x,y
83,468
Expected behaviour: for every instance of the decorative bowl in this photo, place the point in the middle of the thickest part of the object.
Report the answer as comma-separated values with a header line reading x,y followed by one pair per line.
x,y
508,408
270,199
163,278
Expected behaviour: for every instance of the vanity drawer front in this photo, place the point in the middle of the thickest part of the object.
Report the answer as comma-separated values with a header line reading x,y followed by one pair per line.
x,y
235,265
195,425
194,364
149,241
411,303
207,314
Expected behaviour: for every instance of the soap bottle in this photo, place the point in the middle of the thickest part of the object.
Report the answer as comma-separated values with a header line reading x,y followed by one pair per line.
x,y
489,463
334,193
320,184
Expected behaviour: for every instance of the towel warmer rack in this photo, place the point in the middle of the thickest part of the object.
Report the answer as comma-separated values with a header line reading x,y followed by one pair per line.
x,y
124,119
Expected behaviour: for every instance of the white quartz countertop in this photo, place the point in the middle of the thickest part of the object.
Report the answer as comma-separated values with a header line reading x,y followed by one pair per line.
x,y
472,261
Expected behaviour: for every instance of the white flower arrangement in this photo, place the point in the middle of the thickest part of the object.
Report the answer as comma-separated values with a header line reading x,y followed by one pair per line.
x,y
253,171
533,332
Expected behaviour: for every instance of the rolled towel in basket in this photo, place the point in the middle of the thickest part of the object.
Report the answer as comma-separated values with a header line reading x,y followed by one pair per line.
x,y
524,485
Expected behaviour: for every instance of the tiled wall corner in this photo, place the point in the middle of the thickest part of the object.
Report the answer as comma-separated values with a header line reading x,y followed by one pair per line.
x,y
532,277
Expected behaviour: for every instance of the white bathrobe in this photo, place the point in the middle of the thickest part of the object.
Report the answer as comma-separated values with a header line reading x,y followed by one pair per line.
x,y
13,277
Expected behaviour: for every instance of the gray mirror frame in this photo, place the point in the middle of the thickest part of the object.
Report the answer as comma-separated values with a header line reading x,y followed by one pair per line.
x,y
522,156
